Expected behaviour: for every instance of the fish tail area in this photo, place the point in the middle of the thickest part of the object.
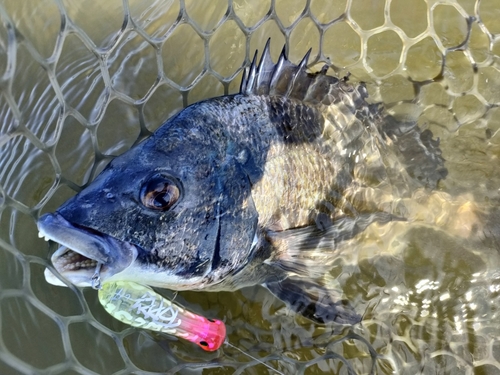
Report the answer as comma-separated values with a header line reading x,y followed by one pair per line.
x,y
419,152
314,301
489,233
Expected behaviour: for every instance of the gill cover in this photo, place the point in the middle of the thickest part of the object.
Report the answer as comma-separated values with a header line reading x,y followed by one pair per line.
x,y
237,219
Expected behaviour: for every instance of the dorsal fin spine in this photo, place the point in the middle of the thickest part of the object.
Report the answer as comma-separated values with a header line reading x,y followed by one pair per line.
x,y
301,69
252,74
243,84
278,70
286,79
303,64
264,71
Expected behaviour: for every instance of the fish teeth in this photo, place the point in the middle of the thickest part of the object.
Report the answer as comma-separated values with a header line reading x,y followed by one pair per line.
x,y
45,237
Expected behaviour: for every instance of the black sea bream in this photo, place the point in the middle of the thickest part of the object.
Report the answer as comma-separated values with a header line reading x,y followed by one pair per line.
x,y
254,188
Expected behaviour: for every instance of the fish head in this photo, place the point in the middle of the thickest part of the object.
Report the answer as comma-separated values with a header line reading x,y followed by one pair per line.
x,y
175,211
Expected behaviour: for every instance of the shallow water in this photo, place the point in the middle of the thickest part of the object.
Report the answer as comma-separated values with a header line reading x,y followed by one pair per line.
x,y
76,93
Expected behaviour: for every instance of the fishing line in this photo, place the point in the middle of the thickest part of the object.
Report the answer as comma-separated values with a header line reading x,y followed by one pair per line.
x,y
254,358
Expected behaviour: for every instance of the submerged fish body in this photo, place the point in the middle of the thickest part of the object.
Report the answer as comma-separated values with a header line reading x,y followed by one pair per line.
x,y
253,188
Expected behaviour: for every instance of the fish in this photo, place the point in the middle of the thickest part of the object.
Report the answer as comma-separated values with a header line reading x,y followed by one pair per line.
x,y
256,188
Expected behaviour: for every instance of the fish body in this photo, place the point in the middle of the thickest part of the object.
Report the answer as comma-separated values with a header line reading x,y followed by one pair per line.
x,y
253,188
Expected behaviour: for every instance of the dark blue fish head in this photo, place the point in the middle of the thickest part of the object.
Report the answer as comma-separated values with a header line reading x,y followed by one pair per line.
x,y
175,211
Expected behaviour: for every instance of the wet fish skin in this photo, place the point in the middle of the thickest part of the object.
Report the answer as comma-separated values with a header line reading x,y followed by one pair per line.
x,y
270,181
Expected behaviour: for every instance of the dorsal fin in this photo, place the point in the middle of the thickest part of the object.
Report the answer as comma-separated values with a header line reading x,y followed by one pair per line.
x,y
287,79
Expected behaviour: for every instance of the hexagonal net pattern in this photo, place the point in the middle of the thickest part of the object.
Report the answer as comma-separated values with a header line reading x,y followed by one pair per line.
x,y
83,81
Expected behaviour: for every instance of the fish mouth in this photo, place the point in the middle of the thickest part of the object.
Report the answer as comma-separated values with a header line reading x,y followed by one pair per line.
x,y
84,252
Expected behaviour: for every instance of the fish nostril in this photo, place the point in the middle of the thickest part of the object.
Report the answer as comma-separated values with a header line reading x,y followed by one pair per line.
x,y
110,196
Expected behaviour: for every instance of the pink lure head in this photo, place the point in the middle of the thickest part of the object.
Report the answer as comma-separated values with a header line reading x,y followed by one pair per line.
x,y
208,334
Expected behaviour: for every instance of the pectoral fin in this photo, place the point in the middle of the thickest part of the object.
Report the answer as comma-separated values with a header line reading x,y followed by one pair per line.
x,y
313,301
310,251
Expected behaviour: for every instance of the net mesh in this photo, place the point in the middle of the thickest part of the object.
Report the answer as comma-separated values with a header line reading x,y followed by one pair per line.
x,y
83,81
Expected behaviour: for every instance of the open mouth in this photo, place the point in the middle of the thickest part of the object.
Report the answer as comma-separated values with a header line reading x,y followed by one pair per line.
x,y
85,256
65,260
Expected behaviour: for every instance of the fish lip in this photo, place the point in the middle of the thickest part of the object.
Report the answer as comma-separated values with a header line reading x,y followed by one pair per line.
x,y
114,255
58,229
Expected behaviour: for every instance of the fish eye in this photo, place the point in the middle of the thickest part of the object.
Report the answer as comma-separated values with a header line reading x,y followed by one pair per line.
x,y
159,193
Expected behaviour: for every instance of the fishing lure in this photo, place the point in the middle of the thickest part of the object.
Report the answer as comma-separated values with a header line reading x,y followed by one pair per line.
x,y
140,306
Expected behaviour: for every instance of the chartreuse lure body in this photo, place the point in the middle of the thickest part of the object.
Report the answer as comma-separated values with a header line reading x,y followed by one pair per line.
x,y
140,306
